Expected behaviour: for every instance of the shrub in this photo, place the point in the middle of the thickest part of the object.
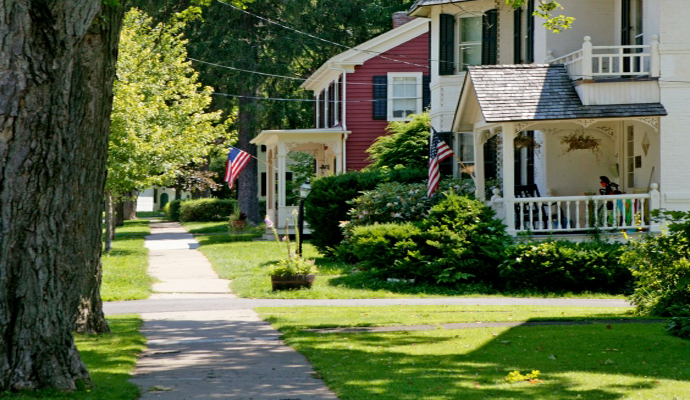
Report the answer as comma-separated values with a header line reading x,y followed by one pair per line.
x,y
661,266
679,325
382,248
327,204
562,266
207,210
406,144
172,210
399,202
459,240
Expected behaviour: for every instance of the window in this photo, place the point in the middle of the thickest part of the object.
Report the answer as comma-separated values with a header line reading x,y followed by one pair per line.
x,y
404,95
466,153
470,42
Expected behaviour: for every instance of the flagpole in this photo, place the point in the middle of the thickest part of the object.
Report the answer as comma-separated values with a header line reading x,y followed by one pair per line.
x,y
257,159
464,167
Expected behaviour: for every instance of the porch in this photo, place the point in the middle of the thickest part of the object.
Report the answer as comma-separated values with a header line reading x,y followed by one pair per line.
x,y
325,145
531,121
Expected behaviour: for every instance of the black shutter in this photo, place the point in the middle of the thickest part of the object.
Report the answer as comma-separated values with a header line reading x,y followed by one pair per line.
x,y
322,102
517,36
426,92
529,51
381,97
626,39
341,117
264,185
446,166
331,105
446,58
490,38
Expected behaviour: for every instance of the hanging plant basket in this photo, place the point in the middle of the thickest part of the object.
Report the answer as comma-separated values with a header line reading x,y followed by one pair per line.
x,y
526,142
581,141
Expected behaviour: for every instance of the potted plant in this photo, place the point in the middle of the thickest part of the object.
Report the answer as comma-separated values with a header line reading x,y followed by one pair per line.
x,y
293,272
237,221
581,141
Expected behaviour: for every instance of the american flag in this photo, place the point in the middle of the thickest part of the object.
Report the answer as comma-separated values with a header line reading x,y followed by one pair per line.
x,y
237,160
438,151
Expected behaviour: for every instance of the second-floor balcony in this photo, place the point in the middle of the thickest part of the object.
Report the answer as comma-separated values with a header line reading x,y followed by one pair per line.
x,y
630,72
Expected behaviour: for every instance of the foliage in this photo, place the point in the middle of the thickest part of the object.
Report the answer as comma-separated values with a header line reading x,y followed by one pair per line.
x,y
559,266
293,266
159,117
302,171
172,210
399,202
458,240
207,210
407,144
327,204
661,266
382,248
516,376
581,141
555,24
679,324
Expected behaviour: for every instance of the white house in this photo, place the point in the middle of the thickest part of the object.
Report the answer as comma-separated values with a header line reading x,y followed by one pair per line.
x,y
619,76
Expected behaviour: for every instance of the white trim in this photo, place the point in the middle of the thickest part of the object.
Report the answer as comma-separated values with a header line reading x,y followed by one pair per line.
x,y
418,96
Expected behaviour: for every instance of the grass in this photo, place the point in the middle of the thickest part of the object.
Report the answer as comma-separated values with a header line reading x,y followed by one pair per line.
x,y
110,359
619,361
124,268
247,263
150,214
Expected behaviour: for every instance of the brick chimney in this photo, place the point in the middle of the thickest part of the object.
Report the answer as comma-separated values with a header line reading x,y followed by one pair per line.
x,y
401,18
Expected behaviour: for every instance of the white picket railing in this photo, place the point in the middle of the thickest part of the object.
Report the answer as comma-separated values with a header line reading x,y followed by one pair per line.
x,y
578,213
612,61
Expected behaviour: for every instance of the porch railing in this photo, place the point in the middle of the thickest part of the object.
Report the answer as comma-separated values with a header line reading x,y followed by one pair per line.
x,y
592,62
629,212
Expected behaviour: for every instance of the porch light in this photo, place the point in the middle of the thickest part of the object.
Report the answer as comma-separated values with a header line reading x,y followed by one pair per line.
x,y
304,190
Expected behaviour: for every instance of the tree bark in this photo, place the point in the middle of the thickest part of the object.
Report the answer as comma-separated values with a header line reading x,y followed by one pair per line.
x,y
54,123
247,187
109,222
129,207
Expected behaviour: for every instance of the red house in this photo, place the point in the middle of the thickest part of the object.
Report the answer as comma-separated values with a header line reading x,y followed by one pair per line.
x,y
357,93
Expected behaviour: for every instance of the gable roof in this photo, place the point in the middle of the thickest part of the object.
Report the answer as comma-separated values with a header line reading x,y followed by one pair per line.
x,y
419,9
537,92
361,53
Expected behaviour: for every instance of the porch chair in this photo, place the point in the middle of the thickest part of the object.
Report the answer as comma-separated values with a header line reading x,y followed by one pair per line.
x,y
538,216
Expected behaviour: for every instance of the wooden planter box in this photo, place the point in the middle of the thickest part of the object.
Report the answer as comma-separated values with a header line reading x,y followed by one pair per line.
x,y
292,282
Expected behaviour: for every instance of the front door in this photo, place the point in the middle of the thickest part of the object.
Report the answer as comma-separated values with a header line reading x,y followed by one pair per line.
x,y
164,200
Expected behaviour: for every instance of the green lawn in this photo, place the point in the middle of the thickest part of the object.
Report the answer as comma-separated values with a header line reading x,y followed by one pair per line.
x,y
124,268
618,361
247,263
110,359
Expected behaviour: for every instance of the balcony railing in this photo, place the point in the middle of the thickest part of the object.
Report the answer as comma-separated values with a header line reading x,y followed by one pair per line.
x,y
579,213
592,62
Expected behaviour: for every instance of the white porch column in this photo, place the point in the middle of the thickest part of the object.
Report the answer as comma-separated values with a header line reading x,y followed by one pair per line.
x,y
508,136
479,179
271,184
282,168
587,58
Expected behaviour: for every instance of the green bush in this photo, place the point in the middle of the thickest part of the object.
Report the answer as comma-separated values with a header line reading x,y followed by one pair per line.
x,y
562,266
172,210
661,266
400,202
406,144
207,210
327,204
459,240
382,248
679,325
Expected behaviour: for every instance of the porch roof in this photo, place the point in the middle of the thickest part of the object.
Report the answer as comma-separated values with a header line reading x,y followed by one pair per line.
x,y
534,92
417,11
271,137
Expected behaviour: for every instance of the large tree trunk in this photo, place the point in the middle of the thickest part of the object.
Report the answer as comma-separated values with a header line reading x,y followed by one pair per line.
x,y
54,111
129,206
247,188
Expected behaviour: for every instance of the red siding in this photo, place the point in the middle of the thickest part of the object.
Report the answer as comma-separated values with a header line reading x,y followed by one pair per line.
x,y
359,88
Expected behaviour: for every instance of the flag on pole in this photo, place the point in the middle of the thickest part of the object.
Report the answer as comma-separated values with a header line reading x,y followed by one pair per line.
x,y
438,151
237,160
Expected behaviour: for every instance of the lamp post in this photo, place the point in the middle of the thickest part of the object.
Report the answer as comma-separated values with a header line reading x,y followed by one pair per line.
x,y
304,191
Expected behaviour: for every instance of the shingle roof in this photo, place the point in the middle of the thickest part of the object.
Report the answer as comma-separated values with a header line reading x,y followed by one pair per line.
x,y
540,92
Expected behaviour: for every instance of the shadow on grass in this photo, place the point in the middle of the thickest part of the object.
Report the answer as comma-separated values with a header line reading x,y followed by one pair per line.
x,y
367,280
226,238
576,362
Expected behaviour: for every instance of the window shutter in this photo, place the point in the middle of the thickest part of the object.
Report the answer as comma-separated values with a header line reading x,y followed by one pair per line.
x,y
381,97
625,26
446,59
446,166
322,109
426,92
517,36
331,105
490,38
529,40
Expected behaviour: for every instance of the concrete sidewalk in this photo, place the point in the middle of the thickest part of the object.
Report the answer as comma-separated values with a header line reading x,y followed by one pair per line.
x,y
211,354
